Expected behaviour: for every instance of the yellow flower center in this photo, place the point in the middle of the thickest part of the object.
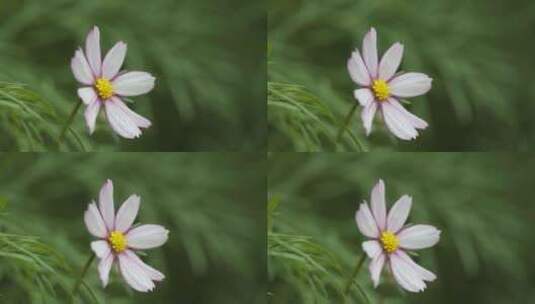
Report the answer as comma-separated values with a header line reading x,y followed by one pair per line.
x,y
117,241
381,90
104,88
389,241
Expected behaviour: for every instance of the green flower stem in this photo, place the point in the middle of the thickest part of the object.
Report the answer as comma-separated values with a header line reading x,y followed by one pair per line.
x,y
68,123
81,277
354,274
346,123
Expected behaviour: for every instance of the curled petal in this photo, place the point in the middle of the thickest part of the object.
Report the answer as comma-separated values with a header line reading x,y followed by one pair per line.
x,y
133,83
147,236
358,70
121,121
405,275
153,274
410,85
139,120
366,222
94,222
134,275
378,204
416,121
397,122
114,60
127,213
81,69
425,274
418,237
399,213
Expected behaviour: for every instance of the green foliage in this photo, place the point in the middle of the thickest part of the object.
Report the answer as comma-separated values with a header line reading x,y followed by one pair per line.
x,y
205,55
207,201
481,202
470,49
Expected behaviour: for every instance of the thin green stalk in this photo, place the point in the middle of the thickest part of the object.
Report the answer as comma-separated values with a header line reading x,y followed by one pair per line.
x,y
346,122
354,274
81,277
68,123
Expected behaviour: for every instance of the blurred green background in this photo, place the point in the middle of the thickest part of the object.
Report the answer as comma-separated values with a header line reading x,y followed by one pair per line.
x,y
477,52
210,204
208,57
482,202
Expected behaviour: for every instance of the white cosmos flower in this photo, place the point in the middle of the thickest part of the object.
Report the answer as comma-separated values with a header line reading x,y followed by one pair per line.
x,y
119,240
391,238
104,85
381,88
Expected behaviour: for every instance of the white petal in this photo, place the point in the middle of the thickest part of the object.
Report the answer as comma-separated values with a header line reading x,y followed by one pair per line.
x,y
357,70
152,273
147,236
391,61
92,49
114,60
91,114
101,248
104,268
107,208
369,52
405,275
416,121
139,120
133,83
81,69
425,274
134,275
87,95
364,96
120,121
378,204
127,213
94,222
399,213
372,248
376,266
397,122
366,222
367,115
418,237
410,85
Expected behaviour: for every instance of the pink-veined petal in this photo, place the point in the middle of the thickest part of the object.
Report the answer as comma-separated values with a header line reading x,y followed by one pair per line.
x,y
120,121
147,236
405,275
94,222
87,95
133,83
364,96
372,248
425,274
369,52
366,222
357,70
153,274
107,208
104,268
367,115
390,61
416,121
418,237
134,275
139,120
379,205
101,248
376,266
399,213
397,122
127,213
81,69
92,49
410,85
91,114
114,60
